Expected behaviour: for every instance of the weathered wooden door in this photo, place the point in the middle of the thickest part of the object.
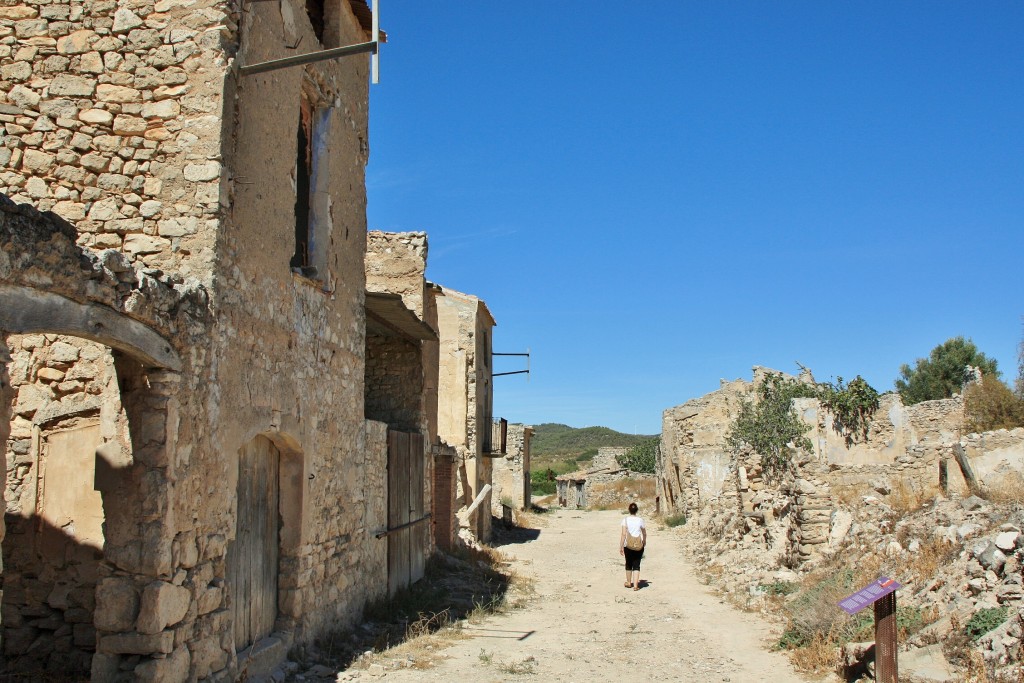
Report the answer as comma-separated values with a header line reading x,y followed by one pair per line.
x,y
407,537
252,557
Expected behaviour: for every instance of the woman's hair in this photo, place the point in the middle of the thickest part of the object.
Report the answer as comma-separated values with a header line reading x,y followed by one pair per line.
x,y
633,508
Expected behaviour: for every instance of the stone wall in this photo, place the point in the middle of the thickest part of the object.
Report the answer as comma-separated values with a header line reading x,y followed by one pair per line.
x,y
396,262
394,383
697,473
997,459
511,474
51,561
112,119
607,458
127,120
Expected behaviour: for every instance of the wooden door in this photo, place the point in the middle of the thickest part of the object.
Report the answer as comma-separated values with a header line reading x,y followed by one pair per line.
x,y
252,557
407,537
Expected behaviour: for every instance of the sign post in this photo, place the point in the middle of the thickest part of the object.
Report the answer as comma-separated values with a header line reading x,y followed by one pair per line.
x,y
881,594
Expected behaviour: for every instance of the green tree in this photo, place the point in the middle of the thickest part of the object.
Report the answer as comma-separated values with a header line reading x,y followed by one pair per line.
x,y
769,425
851,405
641,457
943,373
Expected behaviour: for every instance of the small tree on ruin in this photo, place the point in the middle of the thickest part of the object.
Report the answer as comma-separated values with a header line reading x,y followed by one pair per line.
x,y
944,372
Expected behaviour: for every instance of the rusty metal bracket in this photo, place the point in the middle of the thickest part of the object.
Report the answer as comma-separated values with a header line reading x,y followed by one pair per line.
x,y
371,47
398,528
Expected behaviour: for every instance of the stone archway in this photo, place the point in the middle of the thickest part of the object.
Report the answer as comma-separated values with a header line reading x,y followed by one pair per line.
x,y
104,612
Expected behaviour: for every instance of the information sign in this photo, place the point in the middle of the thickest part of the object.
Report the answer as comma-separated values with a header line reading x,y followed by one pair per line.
x,y
869,594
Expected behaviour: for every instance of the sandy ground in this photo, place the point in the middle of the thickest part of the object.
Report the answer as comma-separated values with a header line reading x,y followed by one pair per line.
x,y
584,626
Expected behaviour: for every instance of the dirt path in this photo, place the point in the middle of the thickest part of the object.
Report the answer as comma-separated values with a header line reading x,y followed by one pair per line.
x,y
585,626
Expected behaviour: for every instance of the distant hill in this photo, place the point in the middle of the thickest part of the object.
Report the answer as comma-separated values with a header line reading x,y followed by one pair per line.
x,y
552,440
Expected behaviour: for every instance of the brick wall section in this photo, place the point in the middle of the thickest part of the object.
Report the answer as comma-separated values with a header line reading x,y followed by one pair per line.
x,y
443,508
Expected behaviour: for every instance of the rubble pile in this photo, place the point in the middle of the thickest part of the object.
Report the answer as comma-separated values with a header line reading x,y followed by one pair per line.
x,y
959,562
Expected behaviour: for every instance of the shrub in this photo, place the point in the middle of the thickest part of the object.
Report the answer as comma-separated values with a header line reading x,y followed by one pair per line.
x,y
984,620
851,406
769,425
641,457
676,519
990,404
779,587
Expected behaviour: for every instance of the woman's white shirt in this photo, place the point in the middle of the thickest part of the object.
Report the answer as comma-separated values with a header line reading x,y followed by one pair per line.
x,y
633,524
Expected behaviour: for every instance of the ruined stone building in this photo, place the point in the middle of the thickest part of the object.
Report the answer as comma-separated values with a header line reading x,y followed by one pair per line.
x,y
192,484
465,399
511,472
905,446
451,375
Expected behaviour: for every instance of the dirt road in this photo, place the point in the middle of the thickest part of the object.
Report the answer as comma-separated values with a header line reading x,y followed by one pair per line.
x,y
586,627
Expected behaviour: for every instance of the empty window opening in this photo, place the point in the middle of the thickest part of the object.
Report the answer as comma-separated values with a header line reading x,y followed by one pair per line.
x,y
303,170
315,10
312,191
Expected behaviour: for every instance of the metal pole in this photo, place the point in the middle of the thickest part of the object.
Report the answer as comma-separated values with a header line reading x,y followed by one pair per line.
x,y
885,639
374,37
309,58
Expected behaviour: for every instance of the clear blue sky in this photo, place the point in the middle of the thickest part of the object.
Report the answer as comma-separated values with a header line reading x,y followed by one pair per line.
x,y
653,196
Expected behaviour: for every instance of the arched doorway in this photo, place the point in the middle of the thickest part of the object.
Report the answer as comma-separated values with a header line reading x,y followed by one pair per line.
x,y
74,411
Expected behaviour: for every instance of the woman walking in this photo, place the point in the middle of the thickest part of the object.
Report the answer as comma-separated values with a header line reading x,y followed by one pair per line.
x,y
632,541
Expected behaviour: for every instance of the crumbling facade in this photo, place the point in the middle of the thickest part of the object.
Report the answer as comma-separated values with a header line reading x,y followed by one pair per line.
x,y
465,397
905,446
511,473
209,252
398,393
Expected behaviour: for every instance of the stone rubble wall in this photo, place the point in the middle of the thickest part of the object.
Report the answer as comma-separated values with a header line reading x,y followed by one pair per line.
x,y
125,119
699,476
511,474
606,458
464,394
997,458
396,263
394,383
111,116
49,577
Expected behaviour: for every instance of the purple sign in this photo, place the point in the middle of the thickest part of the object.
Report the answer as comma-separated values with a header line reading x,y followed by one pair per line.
x,y
869,594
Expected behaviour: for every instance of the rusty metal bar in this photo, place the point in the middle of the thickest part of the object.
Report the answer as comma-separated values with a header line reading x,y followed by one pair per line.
x,y
309,58
382,534
885,639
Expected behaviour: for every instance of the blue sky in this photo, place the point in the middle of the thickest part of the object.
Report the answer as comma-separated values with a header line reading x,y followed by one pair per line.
x,y
654,196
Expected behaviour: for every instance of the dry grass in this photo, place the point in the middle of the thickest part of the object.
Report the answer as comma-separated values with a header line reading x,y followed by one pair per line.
x,y
926,562
423,647
412,629
852,496
1007,489
534,518
821,654
906,498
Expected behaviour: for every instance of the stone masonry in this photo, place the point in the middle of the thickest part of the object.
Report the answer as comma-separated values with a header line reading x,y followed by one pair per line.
x,y
195,302
698,475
